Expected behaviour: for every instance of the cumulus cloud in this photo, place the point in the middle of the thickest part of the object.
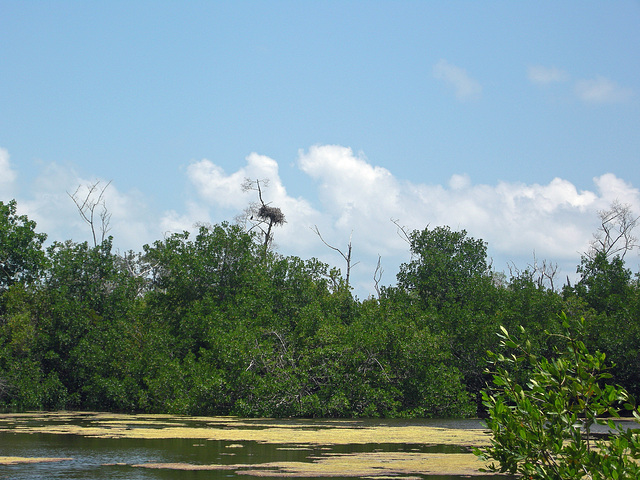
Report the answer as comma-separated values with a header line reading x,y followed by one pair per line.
x,y
359,195
50,205
216,187
8,175
222,193
541,75
612,188
355,199
601,90
555,220
459,182
349,180
465,87
175,222
358,200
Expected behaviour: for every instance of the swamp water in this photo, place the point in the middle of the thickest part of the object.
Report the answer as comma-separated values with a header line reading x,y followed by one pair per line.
x,y
70,445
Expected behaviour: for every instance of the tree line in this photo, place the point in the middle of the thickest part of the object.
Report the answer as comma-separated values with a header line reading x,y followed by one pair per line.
x,y
218,323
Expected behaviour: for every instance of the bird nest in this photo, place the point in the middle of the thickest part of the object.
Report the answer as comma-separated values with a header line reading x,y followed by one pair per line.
x,y
273,214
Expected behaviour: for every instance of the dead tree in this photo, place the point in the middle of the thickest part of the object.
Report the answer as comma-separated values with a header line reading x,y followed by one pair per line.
x,y
377,276
544,272
615,234
346,256
88,204
137,267
261,215
540,274
402,231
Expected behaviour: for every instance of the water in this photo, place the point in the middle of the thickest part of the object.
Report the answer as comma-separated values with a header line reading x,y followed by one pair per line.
x,y
114,458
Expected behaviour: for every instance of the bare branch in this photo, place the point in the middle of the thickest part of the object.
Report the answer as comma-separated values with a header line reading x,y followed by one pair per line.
x,y
261,215
402,231
317,232
545,272
615,234
514,271
346,256
87,209
138,267
377,276
549,271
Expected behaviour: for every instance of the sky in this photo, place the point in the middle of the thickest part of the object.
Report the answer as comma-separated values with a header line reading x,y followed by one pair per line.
x,y
515,121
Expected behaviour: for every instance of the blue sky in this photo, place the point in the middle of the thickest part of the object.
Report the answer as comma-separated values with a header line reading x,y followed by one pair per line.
x,y
516,121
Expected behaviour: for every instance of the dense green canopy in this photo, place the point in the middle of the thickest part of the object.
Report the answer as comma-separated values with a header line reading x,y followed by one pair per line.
x,y
212,323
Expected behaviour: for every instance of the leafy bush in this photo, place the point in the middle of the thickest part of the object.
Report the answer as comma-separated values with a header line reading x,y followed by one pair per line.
x,y
544,429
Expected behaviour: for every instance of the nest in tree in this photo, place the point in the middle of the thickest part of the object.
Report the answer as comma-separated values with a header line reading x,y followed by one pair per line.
x,y
273,214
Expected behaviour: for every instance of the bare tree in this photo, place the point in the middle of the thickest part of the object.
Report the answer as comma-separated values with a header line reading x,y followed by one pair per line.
x,y
615,234
544,272
346,256
540,273
402,231
377,276
259,214
137,266
90,204
499,279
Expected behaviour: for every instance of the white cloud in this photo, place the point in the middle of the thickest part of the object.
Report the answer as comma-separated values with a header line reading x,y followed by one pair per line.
x,y
356,199
612,188
347,179
598,90
555,220
174,222
223,193
8,176
466,88
50,205
545,75
601,90
359,195
216,187
459,182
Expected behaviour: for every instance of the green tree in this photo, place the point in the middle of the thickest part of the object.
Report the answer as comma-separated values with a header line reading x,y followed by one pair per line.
x,y
450,279
445,266
609,296
605,283
22,262
218,263
21,253
543,429
84,319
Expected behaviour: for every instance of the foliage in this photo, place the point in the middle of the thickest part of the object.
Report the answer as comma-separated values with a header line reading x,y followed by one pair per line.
x,y
544,429
444,267
212,322
21,254
605,283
